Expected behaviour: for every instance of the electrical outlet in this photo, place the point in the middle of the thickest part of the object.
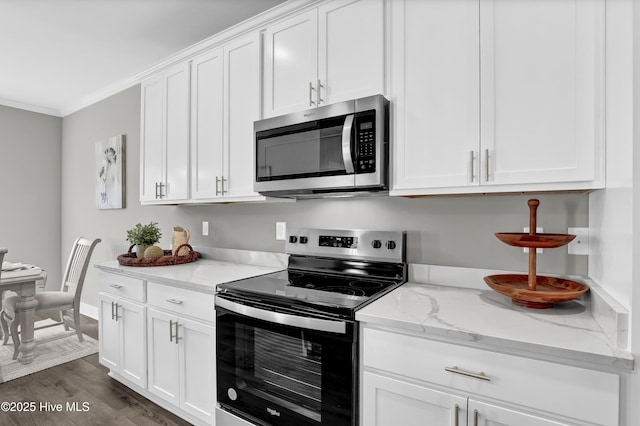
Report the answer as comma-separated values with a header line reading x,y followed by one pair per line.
x,y
205,228
580,244
281,230
539,230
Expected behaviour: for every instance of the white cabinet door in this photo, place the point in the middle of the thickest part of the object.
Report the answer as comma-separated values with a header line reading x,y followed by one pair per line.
x,y
207,124
291,58
197,342
133,337
164,375
122,343
434,68
541,84
350,50
164,144
242,108
109,332
177,134
483,414
182,363
151,138
391,402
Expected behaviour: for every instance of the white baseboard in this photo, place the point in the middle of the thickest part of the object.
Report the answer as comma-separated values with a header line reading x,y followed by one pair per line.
x,y
89,310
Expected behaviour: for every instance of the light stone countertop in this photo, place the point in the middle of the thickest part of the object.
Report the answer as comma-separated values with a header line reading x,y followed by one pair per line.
x,y
204,274
484,319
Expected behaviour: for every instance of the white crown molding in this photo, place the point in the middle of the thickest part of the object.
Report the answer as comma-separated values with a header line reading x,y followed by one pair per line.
x,y
253,23
28,107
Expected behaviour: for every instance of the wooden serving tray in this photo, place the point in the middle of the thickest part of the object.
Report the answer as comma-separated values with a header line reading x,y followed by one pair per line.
x,y
130,259
549,290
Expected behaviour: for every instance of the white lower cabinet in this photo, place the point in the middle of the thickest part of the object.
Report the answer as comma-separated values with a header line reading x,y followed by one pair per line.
x,y
160,341
412,380
122,330
182,363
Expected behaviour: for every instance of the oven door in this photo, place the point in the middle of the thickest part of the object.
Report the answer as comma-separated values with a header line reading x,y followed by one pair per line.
x,y
277,368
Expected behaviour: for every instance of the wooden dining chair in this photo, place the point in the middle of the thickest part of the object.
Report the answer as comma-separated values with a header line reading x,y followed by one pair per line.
x,y
67,298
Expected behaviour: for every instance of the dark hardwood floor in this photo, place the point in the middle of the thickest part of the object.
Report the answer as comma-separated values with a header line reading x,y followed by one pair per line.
x,y
86,394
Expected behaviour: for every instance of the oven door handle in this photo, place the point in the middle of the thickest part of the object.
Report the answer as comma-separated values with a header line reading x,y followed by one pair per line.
x,y
308,323
346,144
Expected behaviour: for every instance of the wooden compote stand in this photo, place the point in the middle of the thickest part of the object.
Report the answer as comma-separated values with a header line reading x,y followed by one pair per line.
x,y
533,291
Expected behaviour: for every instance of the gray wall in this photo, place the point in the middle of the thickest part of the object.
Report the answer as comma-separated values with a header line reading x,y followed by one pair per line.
x,y
454,231
30,188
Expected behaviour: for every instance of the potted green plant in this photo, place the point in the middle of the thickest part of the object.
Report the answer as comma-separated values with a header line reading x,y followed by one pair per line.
x,y
143,236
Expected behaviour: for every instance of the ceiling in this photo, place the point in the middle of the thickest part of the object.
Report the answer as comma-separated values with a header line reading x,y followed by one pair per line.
x,y
56,55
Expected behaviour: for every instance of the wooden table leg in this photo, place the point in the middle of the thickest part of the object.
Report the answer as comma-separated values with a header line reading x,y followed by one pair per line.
x,y
26,308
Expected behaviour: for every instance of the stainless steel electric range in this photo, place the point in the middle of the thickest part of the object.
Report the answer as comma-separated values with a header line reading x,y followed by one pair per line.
x,y
287,342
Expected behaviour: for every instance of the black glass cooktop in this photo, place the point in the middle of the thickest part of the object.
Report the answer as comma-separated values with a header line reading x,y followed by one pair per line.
x,y
341,291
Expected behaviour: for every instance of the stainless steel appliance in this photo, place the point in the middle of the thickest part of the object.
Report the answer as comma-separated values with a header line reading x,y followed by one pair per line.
x,y
337,149
287,342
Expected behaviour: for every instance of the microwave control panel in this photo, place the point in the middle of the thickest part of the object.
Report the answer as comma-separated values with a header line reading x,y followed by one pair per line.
x,y
366,142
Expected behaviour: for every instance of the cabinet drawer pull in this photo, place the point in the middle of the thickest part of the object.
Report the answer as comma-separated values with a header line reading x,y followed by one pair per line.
x,y
171,335
116,286
175,302
479,375
222,181
475,417
217,184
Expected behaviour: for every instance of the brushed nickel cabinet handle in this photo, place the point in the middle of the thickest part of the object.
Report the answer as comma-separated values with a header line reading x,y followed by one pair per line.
x,y
116,286
471,165
311,103
475,417
456,415
171,330
222,181
113,317
320,86
157,190
177,337
486,165
175,301
479,375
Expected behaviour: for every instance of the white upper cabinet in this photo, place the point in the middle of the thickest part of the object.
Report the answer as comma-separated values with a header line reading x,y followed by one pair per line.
x,y
225,103
497,95
325,55
207,118
164,144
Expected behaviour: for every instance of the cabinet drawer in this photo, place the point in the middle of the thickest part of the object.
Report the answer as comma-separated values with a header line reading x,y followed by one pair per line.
x,y
120,285
182,301
538,385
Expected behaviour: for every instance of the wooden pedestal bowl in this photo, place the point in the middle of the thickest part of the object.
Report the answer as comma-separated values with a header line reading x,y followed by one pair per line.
x,y
549,290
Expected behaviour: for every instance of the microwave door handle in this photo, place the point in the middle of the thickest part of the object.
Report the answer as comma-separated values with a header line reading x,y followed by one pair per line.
x,y
308,323
346,144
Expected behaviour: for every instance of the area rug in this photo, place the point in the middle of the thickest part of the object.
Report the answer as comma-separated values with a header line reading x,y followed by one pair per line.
x,y
54,346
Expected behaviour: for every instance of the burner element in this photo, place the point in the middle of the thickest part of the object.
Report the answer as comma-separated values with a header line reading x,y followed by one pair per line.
x,y
366,284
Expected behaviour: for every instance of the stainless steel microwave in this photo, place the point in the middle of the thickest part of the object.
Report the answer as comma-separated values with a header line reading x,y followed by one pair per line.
x,y
334,150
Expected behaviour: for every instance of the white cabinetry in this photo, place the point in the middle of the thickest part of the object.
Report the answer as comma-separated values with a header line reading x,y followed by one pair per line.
x,y
225,100
182,350
411,377
324,55
496,95
164,137
123,327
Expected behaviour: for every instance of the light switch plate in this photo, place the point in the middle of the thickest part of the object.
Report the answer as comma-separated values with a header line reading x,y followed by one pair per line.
x,y
580,244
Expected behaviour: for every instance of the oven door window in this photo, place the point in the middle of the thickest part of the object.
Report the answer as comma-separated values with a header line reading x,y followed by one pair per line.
x,y
284,375
310,150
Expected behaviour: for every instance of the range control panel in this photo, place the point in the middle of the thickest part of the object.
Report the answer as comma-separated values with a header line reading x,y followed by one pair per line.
x,y
385,246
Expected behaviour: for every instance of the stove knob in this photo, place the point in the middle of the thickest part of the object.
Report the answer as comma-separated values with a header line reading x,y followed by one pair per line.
x,y
303,240
376,244
391,244
293,239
